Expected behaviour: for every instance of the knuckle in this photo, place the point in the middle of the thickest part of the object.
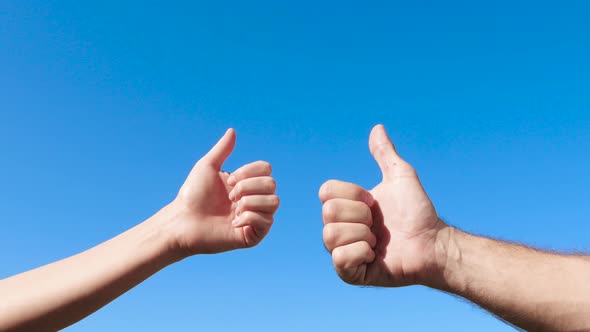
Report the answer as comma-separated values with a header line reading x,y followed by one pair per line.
x,y
381,150
359,193
406,169
368,215
271,184
326,189
372,240
238,174
369,237
244,202
339,258
239,187
366,233
249,215
329,235
275,200
323,192
265,166
330,211
366,248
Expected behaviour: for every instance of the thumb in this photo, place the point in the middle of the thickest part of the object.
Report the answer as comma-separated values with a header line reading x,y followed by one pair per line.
x,y
222,149
383,150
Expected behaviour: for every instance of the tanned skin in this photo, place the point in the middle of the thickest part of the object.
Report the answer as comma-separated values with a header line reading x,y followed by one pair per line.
x,y
392,236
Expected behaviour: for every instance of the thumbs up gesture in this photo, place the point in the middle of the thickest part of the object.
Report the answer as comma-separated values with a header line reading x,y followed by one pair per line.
x,y
385,236
216,211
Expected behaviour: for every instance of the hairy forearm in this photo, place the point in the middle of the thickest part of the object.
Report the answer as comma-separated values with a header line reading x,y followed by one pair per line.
x,y
531,289
59,294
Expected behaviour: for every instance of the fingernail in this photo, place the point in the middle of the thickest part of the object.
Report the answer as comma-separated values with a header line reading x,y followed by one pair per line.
x,y
231,195
231,180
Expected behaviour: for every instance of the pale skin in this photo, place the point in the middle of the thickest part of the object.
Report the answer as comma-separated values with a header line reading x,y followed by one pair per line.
x,y
391,236
213,212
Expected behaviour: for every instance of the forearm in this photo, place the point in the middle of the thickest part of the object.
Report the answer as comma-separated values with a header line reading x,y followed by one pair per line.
x,y
59,294
531,289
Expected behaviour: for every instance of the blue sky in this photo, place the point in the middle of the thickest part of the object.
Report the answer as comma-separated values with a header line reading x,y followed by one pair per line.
x,y
105,106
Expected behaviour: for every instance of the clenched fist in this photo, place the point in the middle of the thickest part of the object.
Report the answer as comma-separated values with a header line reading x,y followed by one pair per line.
x,y
216,211
385,236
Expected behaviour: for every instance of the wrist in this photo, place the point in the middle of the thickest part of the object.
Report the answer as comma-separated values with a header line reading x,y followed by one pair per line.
x,y
434,273
166,223
447,257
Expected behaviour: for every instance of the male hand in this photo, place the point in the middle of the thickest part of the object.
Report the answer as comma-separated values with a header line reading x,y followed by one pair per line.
x,y
215,211
385,236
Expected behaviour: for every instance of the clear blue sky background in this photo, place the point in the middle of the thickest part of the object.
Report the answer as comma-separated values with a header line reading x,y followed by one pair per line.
x,y
105,106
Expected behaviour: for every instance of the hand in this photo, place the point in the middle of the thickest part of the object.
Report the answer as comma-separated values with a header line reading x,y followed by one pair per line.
x,y
386,236
216,211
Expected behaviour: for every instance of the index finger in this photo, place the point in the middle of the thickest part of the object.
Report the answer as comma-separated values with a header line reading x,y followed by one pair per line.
x,y
255,169
339,189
